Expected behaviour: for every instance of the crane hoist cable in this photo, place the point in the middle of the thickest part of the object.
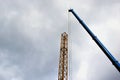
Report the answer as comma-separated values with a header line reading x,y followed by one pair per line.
x,y
69,46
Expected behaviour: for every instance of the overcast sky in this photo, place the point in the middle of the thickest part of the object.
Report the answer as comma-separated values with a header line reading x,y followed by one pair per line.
x,y
30,39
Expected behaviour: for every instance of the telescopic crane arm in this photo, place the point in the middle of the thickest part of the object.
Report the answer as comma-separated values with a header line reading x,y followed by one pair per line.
x,y
98,42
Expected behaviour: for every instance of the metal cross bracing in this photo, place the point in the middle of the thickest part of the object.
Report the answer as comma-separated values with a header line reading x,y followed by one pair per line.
x,y
63,60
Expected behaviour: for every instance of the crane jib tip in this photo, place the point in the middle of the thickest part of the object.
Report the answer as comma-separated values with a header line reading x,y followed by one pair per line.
x,y
70,10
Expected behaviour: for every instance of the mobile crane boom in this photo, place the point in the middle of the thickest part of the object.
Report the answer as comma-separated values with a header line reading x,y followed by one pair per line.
x,y
98,42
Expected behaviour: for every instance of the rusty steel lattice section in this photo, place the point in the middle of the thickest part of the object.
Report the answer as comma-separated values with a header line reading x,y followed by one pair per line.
x,y
63,60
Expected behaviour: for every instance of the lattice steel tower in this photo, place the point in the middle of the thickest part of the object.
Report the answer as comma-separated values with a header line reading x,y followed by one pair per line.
x,y
63,60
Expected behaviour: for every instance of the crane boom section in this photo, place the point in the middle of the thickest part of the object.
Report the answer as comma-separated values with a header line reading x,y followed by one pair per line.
x,y
98,42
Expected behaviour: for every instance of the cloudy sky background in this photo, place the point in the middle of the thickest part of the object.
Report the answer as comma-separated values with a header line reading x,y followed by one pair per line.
x,y
30,38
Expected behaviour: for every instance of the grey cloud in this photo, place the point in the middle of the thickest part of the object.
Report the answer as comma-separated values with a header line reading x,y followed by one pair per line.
x,y
30,37
30,48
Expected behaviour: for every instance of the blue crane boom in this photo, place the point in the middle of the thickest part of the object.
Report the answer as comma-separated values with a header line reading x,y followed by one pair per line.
x,y
98,42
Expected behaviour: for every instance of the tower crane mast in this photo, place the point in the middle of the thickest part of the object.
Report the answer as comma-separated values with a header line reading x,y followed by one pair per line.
x,y
63,60
98,42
